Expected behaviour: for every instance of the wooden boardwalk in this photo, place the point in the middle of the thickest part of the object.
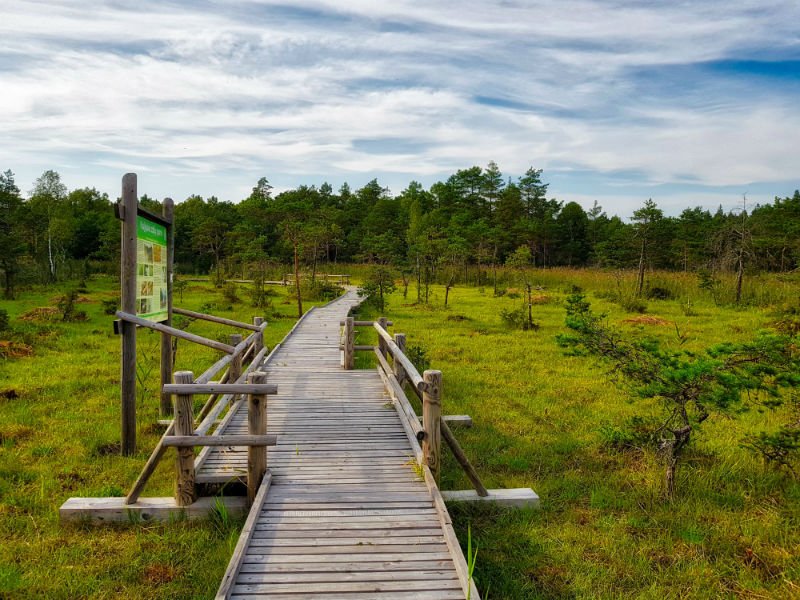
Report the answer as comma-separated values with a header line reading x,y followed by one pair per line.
x,y
344,512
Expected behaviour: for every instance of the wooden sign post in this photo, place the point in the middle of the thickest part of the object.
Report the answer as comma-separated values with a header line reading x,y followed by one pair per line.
x,y
146,291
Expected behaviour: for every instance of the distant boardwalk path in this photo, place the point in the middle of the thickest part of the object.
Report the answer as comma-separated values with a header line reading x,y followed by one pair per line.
x,y
345,514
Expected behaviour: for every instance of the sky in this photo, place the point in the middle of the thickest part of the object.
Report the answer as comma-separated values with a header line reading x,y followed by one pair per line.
x,y
690,103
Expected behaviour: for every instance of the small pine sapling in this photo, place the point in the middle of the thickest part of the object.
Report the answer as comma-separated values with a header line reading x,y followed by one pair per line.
x,y
691,385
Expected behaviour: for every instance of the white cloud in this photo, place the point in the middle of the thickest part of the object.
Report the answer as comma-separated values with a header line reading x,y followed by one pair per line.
x,y
221,92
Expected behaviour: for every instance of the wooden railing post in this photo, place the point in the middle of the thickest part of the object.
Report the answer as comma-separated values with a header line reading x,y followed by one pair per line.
x,y
256,425
167,210
185,492
349,343
129,207
431,420
383,322
259,343
235,370
399,373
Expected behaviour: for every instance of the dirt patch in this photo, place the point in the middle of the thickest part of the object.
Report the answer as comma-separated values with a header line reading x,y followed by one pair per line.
x,y
106,449
78,300
71,480
9,394
15,350
159,573
43,313
647,320
458,318
16,433
541,299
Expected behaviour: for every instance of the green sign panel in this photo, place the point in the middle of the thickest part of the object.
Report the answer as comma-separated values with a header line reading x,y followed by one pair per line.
x,y
151,273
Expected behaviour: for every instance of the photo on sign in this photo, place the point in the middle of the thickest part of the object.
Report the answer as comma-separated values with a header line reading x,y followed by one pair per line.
x,y
163,298
145,305
148,253
157,254
146,289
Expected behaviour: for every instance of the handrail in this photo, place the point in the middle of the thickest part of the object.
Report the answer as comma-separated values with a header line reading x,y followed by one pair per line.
x,y
214,319
220,388
178,333
411,371
407,411
214,405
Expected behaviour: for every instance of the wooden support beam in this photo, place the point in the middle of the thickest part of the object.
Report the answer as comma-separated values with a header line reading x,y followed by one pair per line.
x,y
349,343
214,319
167,210
149,467
360,347
235,370
185,492
256,427
232,440
383,323
115,510
431,421
221,388
128,206
178,333
462,459
516,497
258,344
463,420
399,373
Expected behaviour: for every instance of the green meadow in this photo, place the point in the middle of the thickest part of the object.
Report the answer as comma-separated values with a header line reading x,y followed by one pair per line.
x,y
542,419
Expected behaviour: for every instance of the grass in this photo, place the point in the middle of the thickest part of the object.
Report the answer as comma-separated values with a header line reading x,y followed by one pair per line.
x,y
542,420
59,437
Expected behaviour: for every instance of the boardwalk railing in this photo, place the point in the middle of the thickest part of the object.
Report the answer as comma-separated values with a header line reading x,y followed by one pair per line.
x,y
185,431
428,387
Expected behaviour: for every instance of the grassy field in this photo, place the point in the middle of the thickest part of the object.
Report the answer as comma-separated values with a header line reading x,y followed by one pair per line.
x,y
59,434
542,420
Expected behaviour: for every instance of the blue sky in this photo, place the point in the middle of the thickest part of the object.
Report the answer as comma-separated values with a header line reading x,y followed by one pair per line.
x,y
690,103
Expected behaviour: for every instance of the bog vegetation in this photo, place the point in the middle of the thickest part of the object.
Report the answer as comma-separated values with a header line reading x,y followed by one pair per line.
x,y
640,375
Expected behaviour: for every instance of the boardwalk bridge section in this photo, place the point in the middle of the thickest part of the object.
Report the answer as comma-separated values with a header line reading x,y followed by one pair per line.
x,y
340,473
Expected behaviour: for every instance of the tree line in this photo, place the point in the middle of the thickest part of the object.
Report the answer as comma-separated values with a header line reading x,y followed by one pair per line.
x,y
462,227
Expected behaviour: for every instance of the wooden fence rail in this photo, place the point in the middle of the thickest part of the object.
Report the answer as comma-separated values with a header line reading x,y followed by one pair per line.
x,y
185,435
427,387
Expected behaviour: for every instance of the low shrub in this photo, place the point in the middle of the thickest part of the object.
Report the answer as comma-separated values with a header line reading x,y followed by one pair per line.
x,y
518,319
659,293
631,304
110,305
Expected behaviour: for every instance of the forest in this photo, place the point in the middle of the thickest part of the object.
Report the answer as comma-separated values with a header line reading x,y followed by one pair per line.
x,y
459,228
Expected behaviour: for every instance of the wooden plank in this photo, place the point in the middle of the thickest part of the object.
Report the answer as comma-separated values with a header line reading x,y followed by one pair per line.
x,y
393,595
240,550
347,586
114,510
515,497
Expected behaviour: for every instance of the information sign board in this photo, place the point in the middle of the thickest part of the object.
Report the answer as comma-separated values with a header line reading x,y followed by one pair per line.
x,y
151,273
